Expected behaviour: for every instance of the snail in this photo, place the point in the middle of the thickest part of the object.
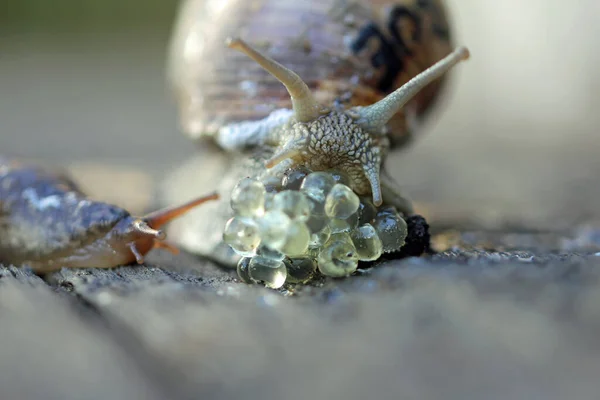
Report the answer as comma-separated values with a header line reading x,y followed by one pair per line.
x,y
270,87
47,223
349,53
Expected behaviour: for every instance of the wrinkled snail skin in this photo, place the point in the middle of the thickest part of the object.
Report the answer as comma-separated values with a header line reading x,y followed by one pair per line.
x,y
47,223
320,138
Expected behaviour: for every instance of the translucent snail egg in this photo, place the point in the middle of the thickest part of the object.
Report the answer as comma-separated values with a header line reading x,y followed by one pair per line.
x,y
293,203
273,228
319,238
316,223
338,225
248,197
293,179
272,273
300,270
269,198
317,186
367,243
338,258
296,240
309,221
242,270
341,202
366,211
271,184
340,177
391,228
242,234
267,252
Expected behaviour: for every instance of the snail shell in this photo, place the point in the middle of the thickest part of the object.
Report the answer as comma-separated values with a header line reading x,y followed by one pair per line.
x,y
349,52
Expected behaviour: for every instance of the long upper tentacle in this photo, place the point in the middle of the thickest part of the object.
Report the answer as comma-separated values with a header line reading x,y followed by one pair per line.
x,y
306,108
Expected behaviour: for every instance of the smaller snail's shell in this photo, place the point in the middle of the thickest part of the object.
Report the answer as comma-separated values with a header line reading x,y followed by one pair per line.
x,y
32,199
348,51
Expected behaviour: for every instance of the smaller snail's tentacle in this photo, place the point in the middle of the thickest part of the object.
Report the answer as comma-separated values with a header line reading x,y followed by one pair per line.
x,y
158,218
139,258
372,118
164,245
143,228
306,108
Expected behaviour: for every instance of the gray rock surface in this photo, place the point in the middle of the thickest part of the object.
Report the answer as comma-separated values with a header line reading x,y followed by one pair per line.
x,y
467,323
55,349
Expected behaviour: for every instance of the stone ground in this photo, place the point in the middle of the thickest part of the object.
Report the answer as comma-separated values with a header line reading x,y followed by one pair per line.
x,y
493,315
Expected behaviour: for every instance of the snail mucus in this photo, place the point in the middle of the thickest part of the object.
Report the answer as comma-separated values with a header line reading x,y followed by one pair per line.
x,y
308,188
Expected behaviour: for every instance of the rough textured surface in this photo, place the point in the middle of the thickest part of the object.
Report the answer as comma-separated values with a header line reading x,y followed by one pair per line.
x,y
52,349
468,322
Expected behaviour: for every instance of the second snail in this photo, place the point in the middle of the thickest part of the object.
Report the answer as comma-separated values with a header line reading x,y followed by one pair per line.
x,y
295,106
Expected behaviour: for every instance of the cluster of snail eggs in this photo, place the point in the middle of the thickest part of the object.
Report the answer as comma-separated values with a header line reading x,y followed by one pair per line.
x,y
287,230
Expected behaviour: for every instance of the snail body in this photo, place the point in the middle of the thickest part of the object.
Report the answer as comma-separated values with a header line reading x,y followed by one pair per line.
x,y
322,85
47,223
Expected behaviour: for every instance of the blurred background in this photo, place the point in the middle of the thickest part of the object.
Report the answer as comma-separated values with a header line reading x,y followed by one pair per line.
x,y
515,140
